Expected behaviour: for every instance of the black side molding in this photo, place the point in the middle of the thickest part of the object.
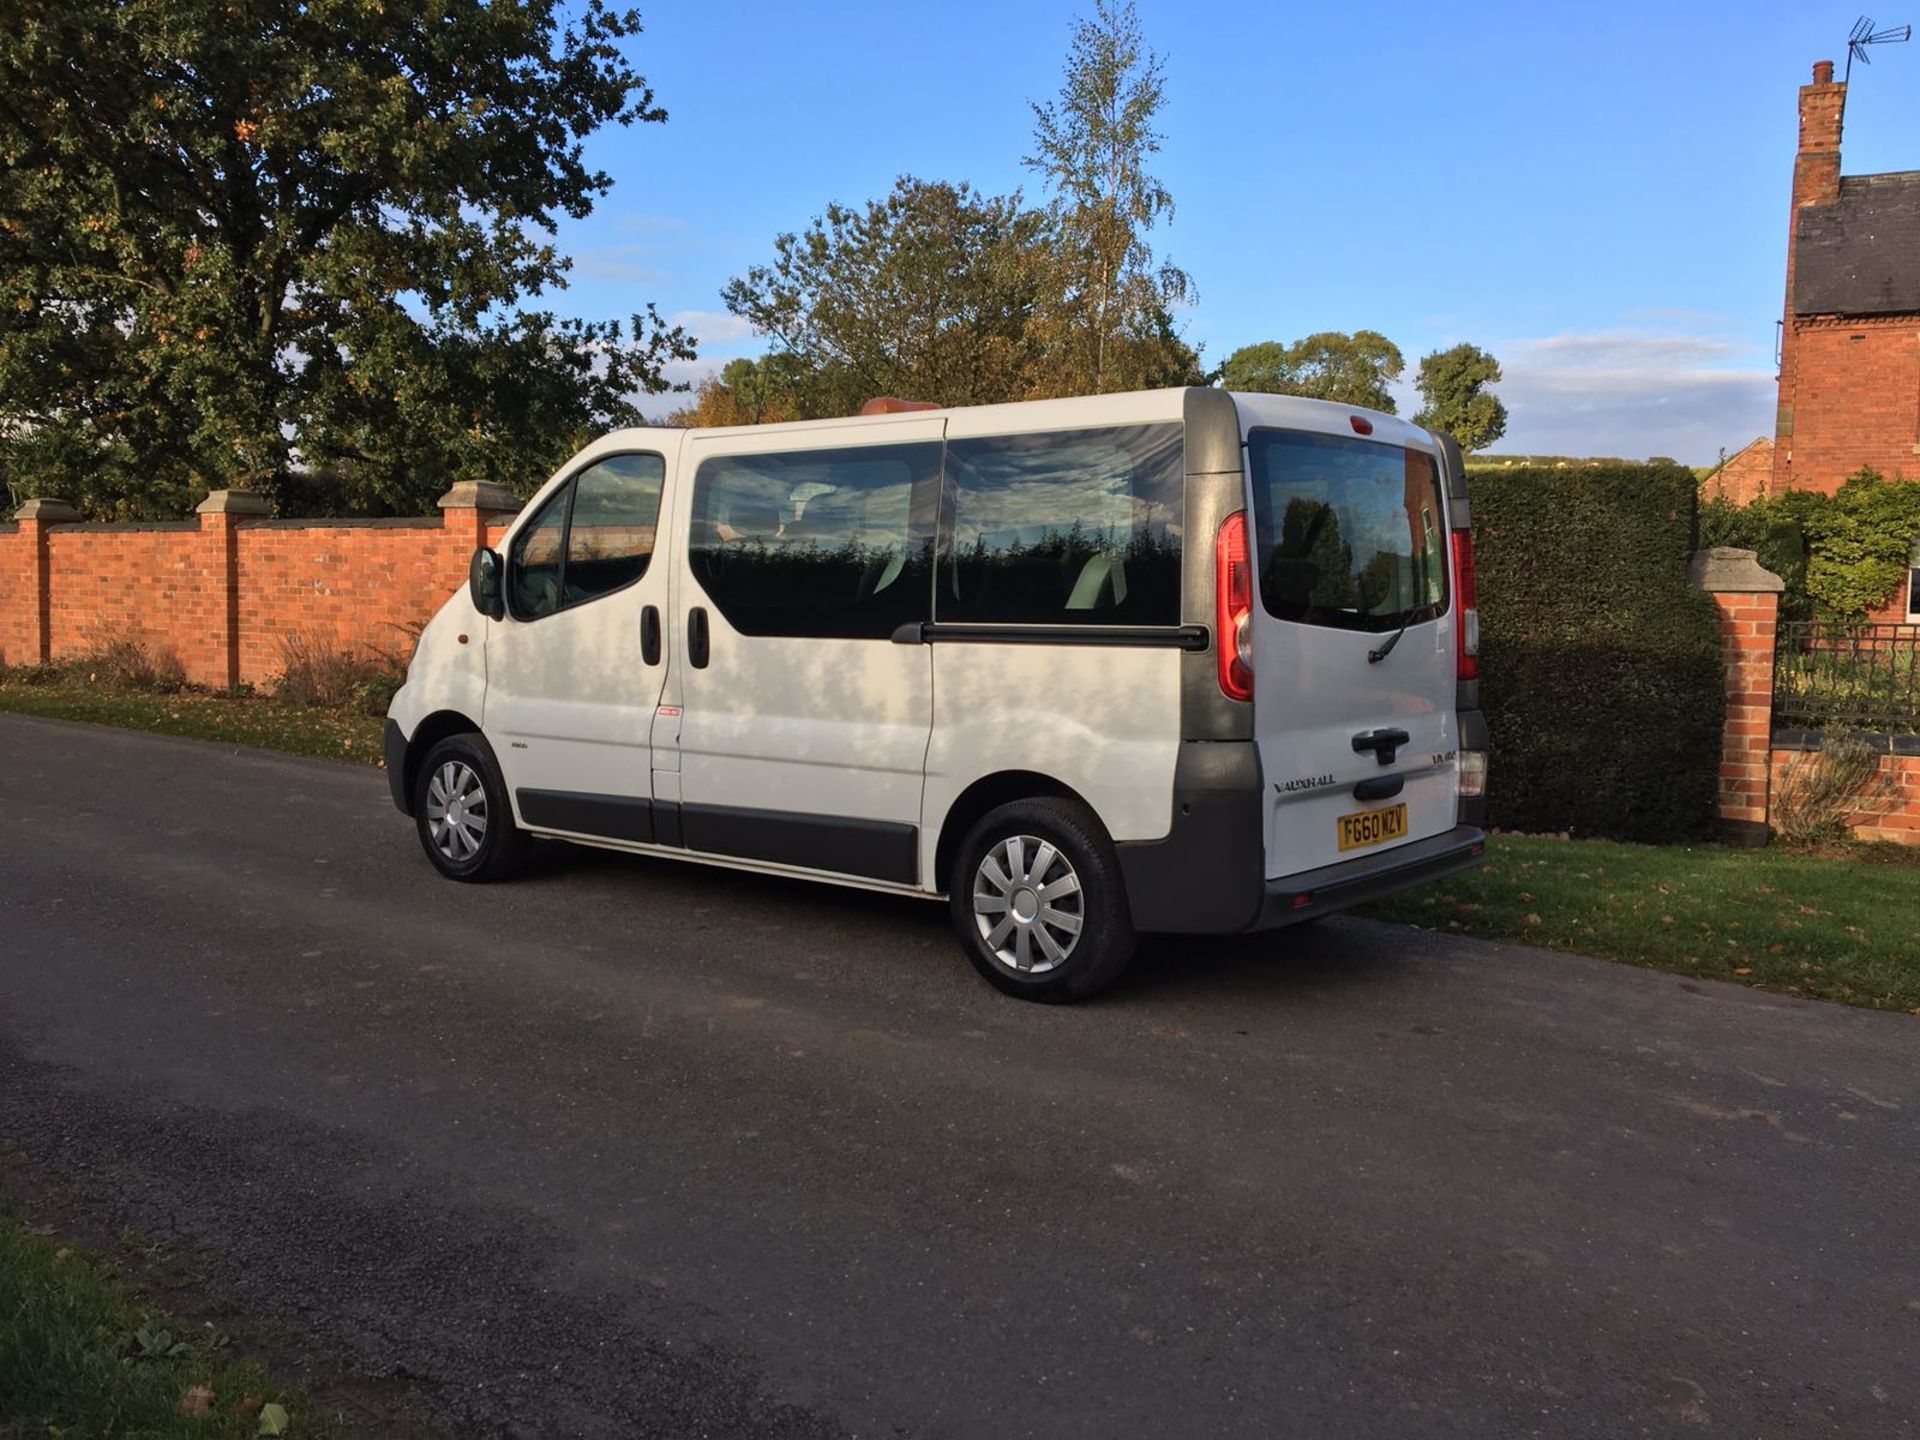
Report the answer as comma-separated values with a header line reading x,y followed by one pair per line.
x,y
1171,637
875,849
617,817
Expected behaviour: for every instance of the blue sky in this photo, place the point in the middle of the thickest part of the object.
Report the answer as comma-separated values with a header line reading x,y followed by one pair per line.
x,y
1597,195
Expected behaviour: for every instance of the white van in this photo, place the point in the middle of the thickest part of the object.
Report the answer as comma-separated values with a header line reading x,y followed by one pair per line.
x,y
1179,661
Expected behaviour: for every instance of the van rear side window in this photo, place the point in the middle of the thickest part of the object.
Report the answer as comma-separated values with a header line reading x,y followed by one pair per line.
x,y
817,543
1064,528
1350,533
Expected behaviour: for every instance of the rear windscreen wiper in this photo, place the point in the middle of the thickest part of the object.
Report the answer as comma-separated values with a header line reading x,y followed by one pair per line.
x,y
1374,657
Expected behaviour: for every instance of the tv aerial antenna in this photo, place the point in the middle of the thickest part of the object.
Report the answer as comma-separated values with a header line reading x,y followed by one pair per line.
x,y
1863,34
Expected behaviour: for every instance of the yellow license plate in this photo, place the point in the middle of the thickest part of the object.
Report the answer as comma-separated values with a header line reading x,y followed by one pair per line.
x,y
1372,827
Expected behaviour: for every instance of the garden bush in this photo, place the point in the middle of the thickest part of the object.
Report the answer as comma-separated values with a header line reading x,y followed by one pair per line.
x,y
1601,673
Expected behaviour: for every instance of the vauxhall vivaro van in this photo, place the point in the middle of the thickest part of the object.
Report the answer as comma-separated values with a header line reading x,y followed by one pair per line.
x,y
1180,661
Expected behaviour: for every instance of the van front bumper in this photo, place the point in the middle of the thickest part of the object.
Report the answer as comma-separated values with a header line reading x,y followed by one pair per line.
x,y
1369,877
396,757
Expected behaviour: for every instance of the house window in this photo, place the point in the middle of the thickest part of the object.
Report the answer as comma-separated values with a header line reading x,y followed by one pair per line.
x,y
1913,583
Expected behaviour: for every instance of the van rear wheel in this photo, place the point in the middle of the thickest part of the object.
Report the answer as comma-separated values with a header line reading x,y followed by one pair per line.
x,y
1038,901
460,806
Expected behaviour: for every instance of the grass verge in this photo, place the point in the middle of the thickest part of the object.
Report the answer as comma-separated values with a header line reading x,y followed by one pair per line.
x,y
81,1355
1834,927
335,733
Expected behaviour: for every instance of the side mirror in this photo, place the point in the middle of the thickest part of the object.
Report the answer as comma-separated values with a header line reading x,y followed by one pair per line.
x,y
483,583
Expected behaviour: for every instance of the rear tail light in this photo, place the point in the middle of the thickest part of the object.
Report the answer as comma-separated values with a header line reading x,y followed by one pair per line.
x,y
1473,774
1466,592
1233,609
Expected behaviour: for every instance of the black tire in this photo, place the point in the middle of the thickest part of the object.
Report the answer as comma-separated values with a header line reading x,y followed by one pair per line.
x,y
1104,944
502,845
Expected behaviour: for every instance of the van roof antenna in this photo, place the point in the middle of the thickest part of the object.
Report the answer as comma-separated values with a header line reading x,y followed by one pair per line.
x,y
1863,34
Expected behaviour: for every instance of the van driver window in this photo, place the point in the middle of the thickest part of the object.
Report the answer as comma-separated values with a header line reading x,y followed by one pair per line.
x,y
616,505
817,543
560,559
533,563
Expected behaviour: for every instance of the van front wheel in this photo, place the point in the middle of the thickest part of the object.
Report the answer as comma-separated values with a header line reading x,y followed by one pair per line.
x,y
460,805
1038,901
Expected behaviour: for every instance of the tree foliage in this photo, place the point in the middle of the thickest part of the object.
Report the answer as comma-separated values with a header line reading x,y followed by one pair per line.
x,y
1453,383
1842,555
240,238
929,292
1354,369
1110,304
745,392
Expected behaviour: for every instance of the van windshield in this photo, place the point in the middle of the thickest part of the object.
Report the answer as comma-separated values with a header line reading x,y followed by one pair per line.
x,y
1349,532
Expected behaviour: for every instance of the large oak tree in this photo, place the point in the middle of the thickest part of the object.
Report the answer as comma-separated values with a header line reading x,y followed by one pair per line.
x,y
246,241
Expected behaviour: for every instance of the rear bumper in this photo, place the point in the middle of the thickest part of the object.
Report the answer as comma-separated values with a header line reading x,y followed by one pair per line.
x,y
396,756
1368,877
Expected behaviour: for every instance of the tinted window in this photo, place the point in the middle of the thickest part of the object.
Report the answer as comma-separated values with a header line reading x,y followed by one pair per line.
x,y
820,542
533,564
1077,527
610,538
1349,532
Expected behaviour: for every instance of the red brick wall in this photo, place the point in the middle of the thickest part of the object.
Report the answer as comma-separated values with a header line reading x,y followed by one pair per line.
x,y
1893,815
16,630
1745,477
224,592
1852,399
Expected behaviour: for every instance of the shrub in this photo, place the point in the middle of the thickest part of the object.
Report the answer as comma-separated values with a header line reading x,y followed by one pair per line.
x,y
1600,664
131,662
1841,555
315,672
1818,789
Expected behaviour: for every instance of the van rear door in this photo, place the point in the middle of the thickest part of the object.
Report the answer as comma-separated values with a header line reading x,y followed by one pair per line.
x,y
1353,634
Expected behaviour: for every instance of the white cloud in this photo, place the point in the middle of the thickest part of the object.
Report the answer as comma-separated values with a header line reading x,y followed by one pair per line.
x,y
1633,393
712,327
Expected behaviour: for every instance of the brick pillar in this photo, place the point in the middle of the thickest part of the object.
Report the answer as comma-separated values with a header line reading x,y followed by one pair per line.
x,y
466,509
36,517
219,515
1749,601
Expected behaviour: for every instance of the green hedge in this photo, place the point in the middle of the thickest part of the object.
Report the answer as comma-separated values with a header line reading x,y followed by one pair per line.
x,y
1600,664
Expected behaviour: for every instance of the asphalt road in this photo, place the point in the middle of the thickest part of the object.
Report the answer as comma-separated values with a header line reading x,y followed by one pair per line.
x,y
638,1147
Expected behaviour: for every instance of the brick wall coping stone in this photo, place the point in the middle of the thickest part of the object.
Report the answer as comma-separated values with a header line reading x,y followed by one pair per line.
x,y
479,495
1881,740
48,512
99,527
234,502
1725,570
355,522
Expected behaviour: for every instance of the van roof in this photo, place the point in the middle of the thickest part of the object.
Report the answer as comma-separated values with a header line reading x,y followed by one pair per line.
x,y
1130,407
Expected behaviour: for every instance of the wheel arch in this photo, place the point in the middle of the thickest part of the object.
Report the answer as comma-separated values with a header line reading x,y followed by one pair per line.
x,y
428,733
988,793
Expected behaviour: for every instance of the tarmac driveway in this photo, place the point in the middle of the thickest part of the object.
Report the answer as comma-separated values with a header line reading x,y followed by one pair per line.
x,y
638,1147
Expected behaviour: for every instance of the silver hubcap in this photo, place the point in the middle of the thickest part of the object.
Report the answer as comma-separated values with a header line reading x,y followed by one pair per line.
x,y
456,811
1028,905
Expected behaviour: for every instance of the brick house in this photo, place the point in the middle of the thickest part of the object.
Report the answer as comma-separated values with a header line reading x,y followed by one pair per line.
x,y
1745,475
1850,337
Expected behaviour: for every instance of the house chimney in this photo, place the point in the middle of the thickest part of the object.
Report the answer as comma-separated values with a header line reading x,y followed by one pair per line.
x,y
1816,171
1816,181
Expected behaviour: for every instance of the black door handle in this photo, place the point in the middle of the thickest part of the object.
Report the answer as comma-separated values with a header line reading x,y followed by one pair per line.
x,y
697,637
650,635
1385,744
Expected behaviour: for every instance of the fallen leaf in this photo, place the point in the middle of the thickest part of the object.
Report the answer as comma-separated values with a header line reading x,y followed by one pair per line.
x,y
196,1400
273,1420
1743,970
247,1404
